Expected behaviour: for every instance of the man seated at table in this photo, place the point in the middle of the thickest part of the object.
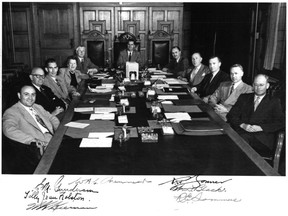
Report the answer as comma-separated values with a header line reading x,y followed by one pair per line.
x,y
212,80
84,64
228,92
54,82
178,64
71,76
29,123
129,55
44,95
195,74
257,116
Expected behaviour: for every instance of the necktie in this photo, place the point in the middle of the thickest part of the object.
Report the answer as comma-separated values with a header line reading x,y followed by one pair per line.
x,y
39,120
193,74
130,55
231,89
43,92
256,102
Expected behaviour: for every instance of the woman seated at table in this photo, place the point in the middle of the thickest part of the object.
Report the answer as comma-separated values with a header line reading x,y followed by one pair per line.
x,y
55,82
71,76
178,64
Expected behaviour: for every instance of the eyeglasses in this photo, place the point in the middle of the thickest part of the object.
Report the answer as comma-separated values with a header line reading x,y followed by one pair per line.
x,y
38,76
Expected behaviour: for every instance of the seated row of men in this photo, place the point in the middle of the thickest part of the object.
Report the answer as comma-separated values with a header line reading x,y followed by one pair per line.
x,y
249,110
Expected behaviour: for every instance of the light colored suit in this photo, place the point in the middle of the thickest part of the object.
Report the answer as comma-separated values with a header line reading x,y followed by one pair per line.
x,y
221,95
65,75
20,126
203,70
123,58
60,90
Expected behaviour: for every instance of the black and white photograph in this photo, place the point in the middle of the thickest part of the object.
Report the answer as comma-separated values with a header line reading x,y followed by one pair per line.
x,y
158,107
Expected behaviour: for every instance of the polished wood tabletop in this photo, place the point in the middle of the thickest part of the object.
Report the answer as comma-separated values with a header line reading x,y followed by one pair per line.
x,y
220,154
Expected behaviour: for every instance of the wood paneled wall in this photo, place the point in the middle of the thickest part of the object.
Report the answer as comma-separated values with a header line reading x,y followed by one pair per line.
x,y
138,19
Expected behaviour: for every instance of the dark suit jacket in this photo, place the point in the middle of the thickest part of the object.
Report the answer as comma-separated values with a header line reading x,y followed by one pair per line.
x,y
199,76
268,116
178,68
207,88
87,64
123,58
48,100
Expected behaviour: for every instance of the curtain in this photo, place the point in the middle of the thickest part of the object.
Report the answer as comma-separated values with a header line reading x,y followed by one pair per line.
x,y
272,36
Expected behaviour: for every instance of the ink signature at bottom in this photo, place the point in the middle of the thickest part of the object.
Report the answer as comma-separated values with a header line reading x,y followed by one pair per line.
x,y
54,205
195,197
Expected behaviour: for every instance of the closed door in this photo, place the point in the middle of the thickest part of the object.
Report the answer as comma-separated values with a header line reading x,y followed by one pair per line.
x,y
56,32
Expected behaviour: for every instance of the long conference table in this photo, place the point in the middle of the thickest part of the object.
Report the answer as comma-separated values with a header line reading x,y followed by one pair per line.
x,y
222,153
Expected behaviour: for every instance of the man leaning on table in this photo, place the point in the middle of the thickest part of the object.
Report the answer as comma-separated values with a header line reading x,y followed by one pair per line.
x,y
195,74
257,116
29,123
84,64
228,92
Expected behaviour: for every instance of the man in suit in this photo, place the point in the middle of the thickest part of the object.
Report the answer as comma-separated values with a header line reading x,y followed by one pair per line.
x,y
228,92
178,64
257,116
54,82
129,55
212,80
84,64
44,95
195,74
27,122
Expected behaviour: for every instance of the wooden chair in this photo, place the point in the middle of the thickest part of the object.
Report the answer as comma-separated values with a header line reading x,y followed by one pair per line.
x,y
96,46
278,154
160,44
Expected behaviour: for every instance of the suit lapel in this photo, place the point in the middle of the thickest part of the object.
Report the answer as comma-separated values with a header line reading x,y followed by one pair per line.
x,y
47,123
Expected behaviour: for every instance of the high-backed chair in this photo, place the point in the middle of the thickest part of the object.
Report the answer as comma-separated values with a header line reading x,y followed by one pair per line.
x,y
160,44
96,46
120,44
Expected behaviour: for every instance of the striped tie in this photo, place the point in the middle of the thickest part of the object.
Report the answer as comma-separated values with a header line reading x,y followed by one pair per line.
x,y
256,102
40,120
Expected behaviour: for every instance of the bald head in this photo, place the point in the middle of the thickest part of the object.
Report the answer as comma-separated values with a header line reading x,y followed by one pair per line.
x,y
196,59
260,84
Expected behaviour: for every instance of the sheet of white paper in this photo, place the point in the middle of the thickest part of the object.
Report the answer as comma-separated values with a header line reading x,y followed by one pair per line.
x,y
167,102
100,135
96,143
147,82
174,81
158,77
83,109
178,116
123,119
112,98
105,109
168,97
121,88
103,116
76,125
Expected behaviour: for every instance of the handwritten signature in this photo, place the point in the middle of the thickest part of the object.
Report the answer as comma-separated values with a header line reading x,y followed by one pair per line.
x,y
193,188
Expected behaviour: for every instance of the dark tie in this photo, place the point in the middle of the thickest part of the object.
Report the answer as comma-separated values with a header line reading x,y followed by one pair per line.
x,y
130,55
43,92
231,89
40,120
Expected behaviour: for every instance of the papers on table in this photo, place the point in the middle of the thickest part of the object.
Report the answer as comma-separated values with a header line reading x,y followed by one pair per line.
x,y
166,102
153,77
168,97
83,109
76,125
100,135
100,75
105,109
122,88
103,116
147,82
177,116
123,119
174,81
96,142
100,89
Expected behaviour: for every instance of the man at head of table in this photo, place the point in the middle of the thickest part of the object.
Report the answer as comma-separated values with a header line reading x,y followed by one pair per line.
x,y
257,116
129,55
212,80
